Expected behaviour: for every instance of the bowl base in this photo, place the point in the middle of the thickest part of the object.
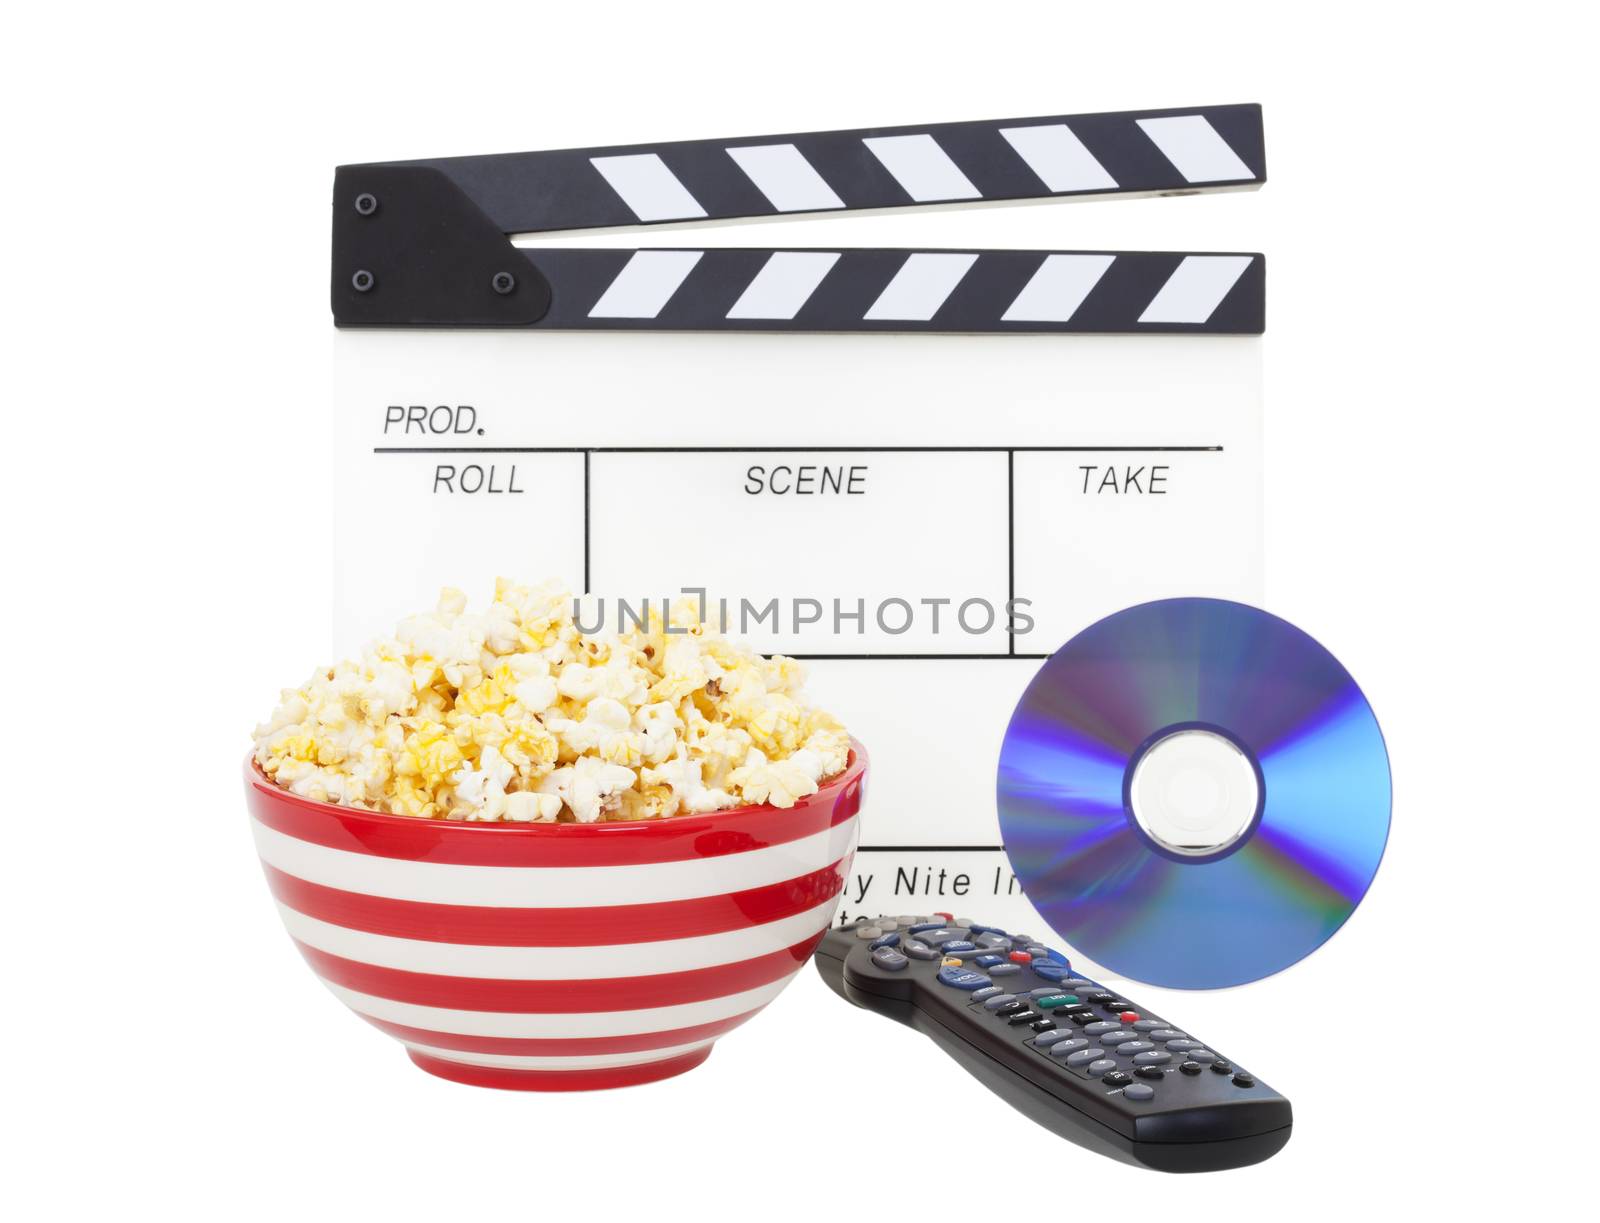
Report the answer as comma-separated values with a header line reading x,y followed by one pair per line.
x,y
594,1079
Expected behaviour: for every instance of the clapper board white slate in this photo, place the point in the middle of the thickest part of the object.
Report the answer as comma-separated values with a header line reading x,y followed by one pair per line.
x,y
890,447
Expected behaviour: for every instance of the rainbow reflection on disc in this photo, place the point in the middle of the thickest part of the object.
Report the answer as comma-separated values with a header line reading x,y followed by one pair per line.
x,y
1231,718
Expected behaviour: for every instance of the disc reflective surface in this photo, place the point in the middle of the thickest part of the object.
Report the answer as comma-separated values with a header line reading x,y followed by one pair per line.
x,y
1194,793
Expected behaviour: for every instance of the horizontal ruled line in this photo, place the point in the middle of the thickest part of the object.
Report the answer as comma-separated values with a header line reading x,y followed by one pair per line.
x,y
930,849
911,657
796,449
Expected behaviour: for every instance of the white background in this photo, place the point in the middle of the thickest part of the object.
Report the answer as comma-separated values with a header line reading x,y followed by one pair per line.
x,y
1430,442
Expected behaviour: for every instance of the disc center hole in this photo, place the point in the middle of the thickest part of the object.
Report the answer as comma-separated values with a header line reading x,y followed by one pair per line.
x,y
1194,792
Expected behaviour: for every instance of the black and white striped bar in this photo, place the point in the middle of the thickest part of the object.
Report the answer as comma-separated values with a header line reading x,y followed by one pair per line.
x,y
900,290
1118,153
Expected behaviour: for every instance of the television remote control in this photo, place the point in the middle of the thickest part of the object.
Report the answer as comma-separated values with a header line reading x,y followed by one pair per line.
x,y
1083,1061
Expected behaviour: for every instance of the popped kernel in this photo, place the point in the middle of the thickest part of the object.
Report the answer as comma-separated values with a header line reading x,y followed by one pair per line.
x,y
514,714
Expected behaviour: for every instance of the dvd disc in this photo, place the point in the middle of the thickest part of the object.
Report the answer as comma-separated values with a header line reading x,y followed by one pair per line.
x,y
1194,793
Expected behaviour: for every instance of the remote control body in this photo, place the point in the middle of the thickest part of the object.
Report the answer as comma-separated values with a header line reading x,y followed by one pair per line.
x,y
1083,1061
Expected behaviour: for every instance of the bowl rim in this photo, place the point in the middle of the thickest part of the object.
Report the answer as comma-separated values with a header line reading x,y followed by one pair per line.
x,y
829,792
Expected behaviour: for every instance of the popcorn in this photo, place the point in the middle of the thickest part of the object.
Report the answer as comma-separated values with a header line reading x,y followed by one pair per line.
x,y
513,714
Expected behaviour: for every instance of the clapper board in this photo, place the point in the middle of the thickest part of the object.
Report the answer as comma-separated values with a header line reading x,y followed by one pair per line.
x,y
919,470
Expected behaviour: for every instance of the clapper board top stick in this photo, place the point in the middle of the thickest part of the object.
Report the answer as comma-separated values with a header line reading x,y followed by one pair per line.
x,y
428,243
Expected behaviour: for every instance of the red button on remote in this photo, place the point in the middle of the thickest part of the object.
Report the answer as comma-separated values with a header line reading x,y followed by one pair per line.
x,y
1128,1017
1020,957
945,917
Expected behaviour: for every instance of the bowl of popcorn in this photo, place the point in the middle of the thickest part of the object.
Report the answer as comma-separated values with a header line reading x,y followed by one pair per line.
x,y
548,859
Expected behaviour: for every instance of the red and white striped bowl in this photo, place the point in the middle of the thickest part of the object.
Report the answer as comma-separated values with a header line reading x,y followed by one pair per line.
x,y
557,957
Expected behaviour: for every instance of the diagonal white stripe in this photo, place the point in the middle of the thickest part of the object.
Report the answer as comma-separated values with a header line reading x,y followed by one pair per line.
x,y
648,187
922,168
529,1025
782,174
784,284
1054,152
920,287
576,1061
1057,289
557,963
535,887
644,284
1195,147
1195,289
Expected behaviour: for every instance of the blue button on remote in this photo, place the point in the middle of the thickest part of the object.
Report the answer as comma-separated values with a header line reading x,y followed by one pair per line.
x,y
956,944
888,940
963,978
1050,970
927,925
989,961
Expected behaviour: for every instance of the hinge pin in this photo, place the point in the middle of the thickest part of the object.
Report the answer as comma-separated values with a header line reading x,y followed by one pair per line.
x,y
502,283
366,204
363,281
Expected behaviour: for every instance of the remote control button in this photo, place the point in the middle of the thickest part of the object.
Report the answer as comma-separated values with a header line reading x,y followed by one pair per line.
x,y
1101,998
888,923
907,921
1042,1025
1020,957
1150,1072
888,940
1060,1048
987,992
890,959
1044,991
995,942
963,978
1117,1078
924,926
1163,1034
977,929
1243,1080
1146,1026
945,917
1049,1001
1094,1029
1005,970
965,923
1114,1040
1084,1056
1048,953
1049,970
1150,1057
1100,1066
1182,1046
1081,1017
1191,1067
1053,1036
951,951
1014,1007
1221,1067
995,1001
937,935
989,961
1138,1091
1022,1017
951,946
1129,1048
1022,940
1117,1006
1201,1055
951,961
918,950
868,932
1076,984
1129,1017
